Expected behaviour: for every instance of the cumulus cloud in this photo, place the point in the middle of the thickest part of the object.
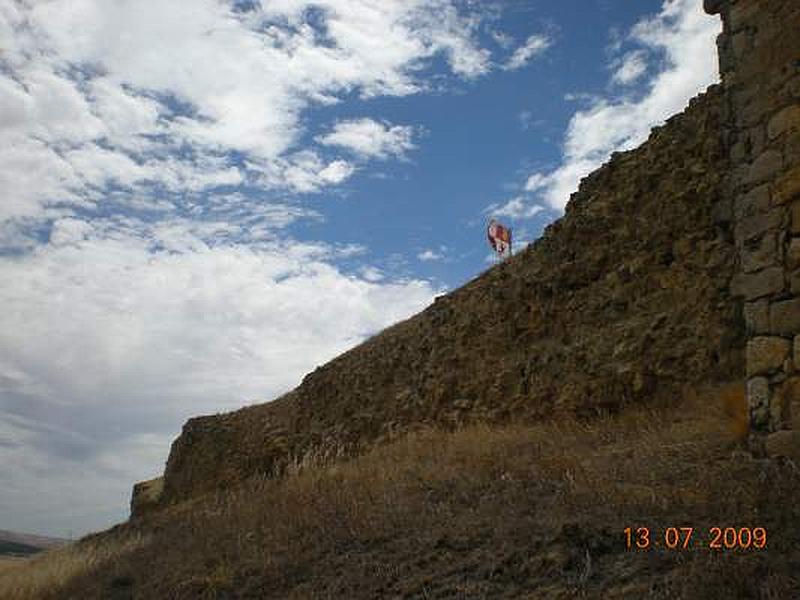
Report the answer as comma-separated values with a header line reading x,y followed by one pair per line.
x,y
533,46
630,68
302,172
516,208
369,138
685,37
122,91
432,254
503,39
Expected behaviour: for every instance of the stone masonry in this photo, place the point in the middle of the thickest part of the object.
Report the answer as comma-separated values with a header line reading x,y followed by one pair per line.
x,y
759,58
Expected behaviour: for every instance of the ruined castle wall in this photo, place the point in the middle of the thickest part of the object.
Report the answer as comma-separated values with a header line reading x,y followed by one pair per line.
x,y
669,258
759,53
623,300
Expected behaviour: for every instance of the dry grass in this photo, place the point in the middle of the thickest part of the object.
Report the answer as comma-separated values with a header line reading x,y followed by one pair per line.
x,y
481,512
50,570
7,563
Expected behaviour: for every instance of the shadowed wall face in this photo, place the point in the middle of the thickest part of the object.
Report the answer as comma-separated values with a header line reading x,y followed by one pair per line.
x,y
759,54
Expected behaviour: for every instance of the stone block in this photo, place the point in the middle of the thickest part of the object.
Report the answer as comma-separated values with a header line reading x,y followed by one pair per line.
x,y
737,175
779,408
785,120
797,351
758,401
766,354
785,444
738,152
794,282
743,14
790,392
754,202
784,317
791,147
726,61
751,286
765,167
787,186
756,317
757,135
760,253
741,43
793,254
751,108
146,496
776,378
793,87
712,7
795,228
751,227
722,211
757,391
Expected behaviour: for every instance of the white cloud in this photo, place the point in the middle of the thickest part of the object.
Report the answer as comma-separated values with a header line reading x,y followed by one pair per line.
x,y
371,274
630,68
122,91
432,255
452,33
503,39
535,182
302,172
518,207
686,36
369,138
336,171
533,46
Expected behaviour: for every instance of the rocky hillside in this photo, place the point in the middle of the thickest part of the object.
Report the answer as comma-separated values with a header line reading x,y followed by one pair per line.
x,y
624,300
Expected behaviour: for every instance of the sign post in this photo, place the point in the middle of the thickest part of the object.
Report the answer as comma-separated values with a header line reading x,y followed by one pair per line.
x,y
499,239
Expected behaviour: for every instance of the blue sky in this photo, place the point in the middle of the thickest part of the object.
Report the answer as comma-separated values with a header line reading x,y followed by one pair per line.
x,y
478,140
203,201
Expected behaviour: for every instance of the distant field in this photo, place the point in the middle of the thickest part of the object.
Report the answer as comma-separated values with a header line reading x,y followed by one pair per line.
x,y
8,562
14,549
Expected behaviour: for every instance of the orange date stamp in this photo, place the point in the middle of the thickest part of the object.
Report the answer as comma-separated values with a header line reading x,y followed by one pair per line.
x,y
684,538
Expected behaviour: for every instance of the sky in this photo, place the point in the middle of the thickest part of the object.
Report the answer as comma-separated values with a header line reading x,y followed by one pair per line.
x,y
203,201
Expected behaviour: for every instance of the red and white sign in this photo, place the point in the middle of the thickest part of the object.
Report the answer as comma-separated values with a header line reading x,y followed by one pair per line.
x,y
499,238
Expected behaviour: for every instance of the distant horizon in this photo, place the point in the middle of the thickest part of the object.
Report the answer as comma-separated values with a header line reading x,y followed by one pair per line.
x,y
204,203
33,540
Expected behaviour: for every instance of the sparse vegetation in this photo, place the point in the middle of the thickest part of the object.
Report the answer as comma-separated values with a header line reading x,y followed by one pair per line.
x,y
523,511
44,574
9,562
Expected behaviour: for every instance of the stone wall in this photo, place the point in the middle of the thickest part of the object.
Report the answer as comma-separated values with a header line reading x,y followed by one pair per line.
x,y
624,300
759,57
671,259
